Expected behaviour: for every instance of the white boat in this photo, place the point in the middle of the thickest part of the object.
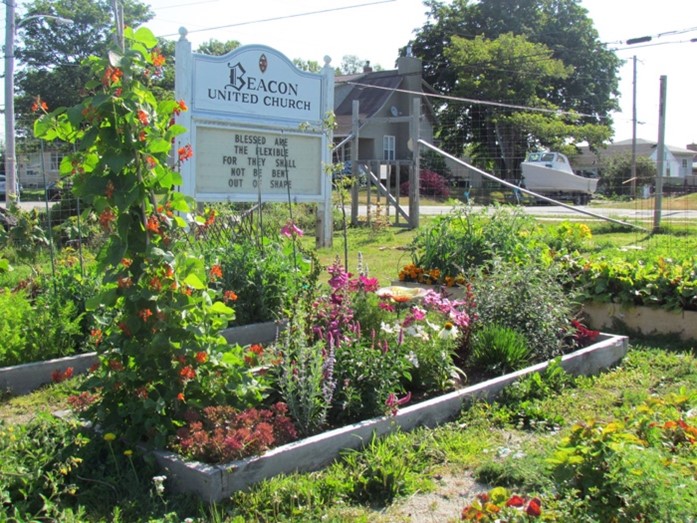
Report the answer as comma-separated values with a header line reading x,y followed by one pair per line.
x,y
548,173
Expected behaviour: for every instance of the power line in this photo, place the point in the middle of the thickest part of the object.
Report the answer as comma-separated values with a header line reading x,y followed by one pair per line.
x,y
474,101
285,17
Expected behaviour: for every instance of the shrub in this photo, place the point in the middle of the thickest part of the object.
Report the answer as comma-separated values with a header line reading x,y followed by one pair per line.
x,y
498,350
430,184
526,298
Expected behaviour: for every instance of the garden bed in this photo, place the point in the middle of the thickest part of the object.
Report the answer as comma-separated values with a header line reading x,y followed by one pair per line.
x,y
22,379
642,320
215,482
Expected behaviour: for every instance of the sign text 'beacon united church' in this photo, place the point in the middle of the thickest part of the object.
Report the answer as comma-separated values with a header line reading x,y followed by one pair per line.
x,y
257,82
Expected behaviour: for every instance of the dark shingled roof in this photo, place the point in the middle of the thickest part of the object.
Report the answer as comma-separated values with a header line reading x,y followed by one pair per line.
x,y
370,100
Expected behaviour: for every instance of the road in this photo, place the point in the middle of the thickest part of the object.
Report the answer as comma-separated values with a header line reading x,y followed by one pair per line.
x,y
543,211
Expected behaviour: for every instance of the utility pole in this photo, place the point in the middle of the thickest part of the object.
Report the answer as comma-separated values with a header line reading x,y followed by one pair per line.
x,y
660,154
633,174
10,160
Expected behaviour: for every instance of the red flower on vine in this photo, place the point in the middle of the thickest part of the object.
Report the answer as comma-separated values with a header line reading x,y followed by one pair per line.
x,y
187,373
181,106
111,76
201,357
153,224
105,218
39,104
144,314
185,153
109,190
215,272
143,117
229,296
158,60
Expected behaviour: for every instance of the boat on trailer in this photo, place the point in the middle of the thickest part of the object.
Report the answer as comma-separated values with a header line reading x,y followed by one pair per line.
x,y
550,174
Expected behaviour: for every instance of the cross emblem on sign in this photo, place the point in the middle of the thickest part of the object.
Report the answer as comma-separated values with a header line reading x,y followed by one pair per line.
x,y
236,76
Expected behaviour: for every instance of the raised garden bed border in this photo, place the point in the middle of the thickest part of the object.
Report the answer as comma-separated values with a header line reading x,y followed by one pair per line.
x,y
213,483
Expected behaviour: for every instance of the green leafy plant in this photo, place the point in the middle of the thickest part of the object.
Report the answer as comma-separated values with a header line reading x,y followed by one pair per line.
x,y
529,299
158,314
465,239
621,467
500,505
496,349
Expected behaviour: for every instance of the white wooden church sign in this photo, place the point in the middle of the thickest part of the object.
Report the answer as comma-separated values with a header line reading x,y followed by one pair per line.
x,y
256,125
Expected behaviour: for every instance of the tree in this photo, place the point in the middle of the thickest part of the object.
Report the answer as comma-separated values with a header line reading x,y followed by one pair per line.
x,y
616,174
352,64
528,53
217,48
51,55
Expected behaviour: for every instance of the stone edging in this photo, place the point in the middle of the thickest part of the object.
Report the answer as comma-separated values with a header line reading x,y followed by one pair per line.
x,y
215,482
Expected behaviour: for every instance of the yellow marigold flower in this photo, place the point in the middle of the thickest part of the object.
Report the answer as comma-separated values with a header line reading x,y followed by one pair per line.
x,y
109,437
128,453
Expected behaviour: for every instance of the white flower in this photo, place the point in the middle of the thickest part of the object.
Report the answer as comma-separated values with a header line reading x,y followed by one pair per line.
x,y
389,329
159,482
448,332
417,331
412,358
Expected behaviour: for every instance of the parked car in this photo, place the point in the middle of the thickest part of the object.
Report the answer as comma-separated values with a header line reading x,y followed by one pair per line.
x,y
3,185
55,190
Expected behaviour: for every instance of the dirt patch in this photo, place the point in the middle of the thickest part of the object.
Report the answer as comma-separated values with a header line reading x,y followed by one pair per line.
x,y
444,503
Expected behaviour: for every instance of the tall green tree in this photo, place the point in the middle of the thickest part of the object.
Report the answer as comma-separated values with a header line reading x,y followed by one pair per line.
x,y
528,53
50,55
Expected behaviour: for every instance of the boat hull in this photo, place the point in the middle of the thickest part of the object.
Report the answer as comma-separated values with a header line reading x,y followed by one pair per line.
x,y
542,179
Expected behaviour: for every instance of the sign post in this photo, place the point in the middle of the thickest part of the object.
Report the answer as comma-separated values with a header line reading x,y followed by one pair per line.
x,y
257,127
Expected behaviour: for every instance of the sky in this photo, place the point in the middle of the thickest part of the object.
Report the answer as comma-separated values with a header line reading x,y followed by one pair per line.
x,y
375,30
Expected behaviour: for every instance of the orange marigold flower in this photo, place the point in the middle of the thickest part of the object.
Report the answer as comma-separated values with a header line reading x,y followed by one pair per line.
x,y
187,290
215,272
257,349
151,162
201,357
126,262
181,396
229,296
143,117
185,153
124,282
142,136
169,271
144,314
187,373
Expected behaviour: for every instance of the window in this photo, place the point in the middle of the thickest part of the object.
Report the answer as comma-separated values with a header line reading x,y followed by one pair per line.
x,y
684,164
388,148
55,162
